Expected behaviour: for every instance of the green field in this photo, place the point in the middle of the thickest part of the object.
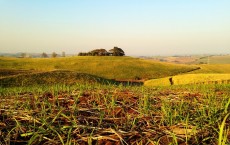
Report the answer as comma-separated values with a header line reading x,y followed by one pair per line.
x,y
81,100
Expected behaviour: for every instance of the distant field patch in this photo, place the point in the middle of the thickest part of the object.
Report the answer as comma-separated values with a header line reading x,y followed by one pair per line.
x,y
219,59
190,79
213,68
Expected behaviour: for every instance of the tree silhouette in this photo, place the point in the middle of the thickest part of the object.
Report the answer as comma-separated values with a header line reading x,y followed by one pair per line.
x,y
54,54
116,51
44,55
98,52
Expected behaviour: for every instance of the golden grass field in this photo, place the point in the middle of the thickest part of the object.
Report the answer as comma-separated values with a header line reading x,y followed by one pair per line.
x,y
190,79
213,68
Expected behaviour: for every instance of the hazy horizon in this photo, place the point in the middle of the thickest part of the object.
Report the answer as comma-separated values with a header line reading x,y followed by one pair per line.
x,y
147,27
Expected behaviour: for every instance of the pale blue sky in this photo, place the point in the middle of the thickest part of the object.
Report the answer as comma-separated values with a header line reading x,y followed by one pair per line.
x,y
140,27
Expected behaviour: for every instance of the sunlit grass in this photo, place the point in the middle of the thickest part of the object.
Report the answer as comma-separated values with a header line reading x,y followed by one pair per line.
x,y
89,113
213,68
190,79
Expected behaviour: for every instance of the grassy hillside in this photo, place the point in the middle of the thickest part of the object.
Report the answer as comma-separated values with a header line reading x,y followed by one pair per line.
x,y
219,59
106,67
190,79
12,72
213,68
52,77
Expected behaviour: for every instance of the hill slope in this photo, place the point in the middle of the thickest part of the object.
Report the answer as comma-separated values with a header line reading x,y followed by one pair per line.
x,y
122,68
213,68
52,77
218,59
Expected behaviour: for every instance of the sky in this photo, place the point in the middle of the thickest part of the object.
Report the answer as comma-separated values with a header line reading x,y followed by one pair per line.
x,y
139,27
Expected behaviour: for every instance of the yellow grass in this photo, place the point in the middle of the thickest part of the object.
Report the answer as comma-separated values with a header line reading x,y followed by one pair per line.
x,y
213,68
189,79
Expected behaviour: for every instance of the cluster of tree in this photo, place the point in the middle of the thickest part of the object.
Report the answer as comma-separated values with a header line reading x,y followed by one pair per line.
x,y
102,52
54,54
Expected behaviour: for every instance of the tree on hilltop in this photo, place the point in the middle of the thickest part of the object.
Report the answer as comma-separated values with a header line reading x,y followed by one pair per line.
x,y
54,55
82,54
102,52
116,51
98,52
44,55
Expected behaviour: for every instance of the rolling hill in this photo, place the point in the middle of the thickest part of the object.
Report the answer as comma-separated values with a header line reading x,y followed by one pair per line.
x,y
213,59
119,68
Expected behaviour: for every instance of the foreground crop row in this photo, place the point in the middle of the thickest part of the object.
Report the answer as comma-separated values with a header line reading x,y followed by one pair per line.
x,y
100,114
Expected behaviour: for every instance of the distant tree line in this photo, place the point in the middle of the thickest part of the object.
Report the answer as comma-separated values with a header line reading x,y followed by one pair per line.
x,y
102,52
116,51
53,55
